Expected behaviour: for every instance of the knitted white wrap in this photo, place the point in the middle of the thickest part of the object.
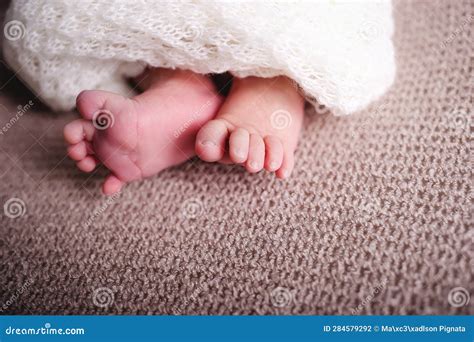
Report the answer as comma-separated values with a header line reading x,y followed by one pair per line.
x,y
340,54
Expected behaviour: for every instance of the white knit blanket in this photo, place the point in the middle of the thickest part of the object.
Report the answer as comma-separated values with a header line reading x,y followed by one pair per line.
x,y
340,54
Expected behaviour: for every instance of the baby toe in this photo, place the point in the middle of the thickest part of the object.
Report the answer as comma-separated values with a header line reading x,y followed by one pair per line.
x,y
112,185
77,151
90,102
87,164
287,165
273,153
256,155
239,145
78,130
211,141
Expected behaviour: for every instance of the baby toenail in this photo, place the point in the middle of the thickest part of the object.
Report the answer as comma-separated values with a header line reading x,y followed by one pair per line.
x,y
254,165
208,143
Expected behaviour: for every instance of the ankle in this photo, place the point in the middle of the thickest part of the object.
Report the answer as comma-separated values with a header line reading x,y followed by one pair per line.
x,y
282,84
162,78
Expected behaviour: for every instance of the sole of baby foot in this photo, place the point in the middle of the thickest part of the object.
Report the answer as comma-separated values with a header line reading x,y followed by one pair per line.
x,y
107,134
257,126
137,138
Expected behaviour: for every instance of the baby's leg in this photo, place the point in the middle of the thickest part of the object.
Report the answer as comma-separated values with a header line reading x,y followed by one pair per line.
x,y
138,137
257,126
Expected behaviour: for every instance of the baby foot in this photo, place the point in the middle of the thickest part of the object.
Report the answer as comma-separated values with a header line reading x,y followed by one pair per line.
x,y
137,138
257,126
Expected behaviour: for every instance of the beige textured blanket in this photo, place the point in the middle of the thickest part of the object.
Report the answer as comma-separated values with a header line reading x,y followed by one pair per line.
x,y
376,219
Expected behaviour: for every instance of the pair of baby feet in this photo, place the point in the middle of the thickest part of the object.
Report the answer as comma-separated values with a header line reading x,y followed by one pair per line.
x,y
180,114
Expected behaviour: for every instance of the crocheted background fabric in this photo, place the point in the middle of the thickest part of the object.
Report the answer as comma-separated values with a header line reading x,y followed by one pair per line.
x,y
376,219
